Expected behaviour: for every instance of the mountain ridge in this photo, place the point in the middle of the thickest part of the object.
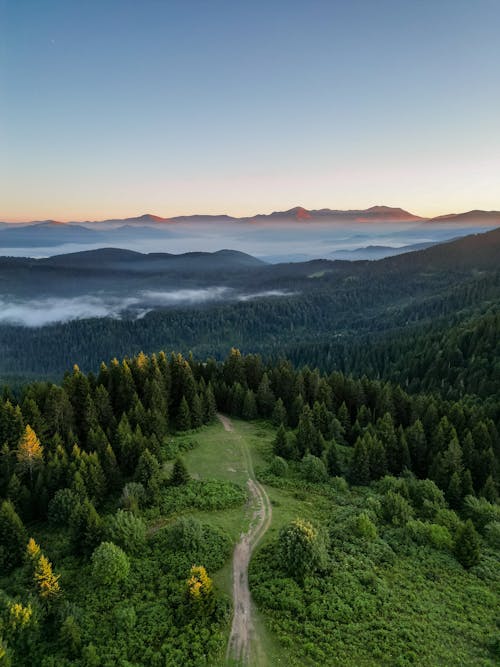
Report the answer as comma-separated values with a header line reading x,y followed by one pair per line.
x,y
377,213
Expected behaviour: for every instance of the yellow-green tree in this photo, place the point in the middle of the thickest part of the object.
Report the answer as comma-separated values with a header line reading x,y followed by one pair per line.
x,y
19,616
199,585
33,551
47,581
30,451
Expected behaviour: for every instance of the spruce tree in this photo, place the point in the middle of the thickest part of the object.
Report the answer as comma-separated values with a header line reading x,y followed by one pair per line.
x,y
467,545
360,463
279,413
249,410
13,537
180,474
184,416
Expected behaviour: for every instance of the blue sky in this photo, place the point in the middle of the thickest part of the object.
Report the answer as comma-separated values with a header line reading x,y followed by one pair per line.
x,y
111,108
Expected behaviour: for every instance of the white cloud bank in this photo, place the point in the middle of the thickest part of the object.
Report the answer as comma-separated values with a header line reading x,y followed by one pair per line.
x,y
50,310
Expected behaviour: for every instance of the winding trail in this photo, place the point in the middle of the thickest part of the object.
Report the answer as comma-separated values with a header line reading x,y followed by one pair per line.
x,y
243,646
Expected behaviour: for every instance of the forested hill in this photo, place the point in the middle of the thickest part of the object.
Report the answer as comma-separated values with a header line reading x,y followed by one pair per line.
x,y
358,316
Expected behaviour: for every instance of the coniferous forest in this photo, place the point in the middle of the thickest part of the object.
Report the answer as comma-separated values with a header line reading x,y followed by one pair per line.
x,y
113,529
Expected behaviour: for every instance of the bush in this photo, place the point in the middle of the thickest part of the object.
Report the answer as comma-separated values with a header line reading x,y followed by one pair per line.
x,y
492,531
205,495
186,534
110,564
426,496
395,484
429,534
133,496
313,469
364,527
481,512
187,541
395,509
278,467
302,549
127,531
447,518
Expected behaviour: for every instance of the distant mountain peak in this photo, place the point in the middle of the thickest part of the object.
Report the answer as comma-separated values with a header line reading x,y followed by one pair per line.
x,y
149,217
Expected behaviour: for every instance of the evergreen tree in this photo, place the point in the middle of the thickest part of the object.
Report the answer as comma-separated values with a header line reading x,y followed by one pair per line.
x,y
467,545
279,413
265,397
210,404
360,463
13,537
249,410
184,416
332,460
180,474
196,412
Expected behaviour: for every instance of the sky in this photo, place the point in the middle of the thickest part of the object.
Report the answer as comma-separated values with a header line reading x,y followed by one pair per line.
x,y
114,108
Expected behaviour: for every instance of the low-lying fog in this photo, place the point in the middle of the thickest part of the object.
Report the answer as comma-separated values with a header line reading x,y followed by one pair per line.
x,y
272,243
49,310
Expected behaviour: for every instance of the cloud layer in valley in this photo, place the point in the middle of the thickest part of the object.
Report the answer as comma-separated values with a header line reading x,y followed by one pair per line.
x,y
50,310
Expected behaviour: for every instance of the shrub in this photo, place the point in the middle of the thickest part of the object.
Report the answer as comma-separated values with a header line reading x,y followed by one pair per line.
x,y
313,469
447,518
364,527
429,534
492,531
278,467
426,496
133,496
110,564
302,548
481,512
395,509
127,531
186,534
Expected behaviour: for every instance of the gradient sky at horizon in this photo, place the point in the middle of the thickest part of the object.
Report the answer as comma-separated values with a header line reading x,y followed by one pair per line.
x,y
113,108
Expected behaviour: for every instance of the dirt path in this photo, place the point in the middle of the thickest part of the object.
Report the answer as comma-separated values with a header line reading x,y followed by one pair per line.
x,y
243,646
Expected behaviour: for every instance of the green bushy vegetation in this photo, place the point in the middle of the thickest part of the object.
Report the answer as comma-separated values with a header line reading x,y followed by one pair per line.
x,y
386,593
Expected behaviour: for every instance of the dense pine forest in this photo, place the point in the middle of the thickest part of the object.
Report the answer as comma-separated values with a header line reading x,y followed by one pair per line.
x,y
108,548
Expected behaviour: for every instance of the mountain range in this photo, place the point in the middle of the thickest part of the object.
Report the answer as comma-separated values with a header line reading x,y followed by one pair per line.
x,y
378,214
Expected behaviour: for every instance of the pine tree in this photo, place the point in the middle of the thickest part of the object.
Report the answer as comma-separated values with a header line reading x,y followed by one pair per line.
x,y
279,413
454,491
180,474
387,434
332,460
249,410
13,537
417,446
184,416
467,546
196,412
30,451
489,490
360,464
265,397
210,404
